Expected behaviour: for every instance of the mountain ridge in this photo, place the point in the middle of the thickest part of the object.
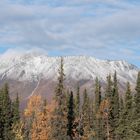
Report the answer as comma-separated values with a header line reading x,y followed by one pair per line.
x,y
38,61
37,73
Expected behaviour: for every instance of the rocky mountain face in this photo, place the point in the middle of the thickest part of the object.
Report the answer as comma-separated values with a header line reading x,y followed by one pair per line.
x,y
32,73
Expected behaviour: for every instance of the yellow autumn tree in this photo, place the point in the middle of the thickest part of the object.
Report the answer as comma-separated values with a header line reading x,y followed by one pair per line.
x,y
41,128
33,106
38,116
17,130
31,112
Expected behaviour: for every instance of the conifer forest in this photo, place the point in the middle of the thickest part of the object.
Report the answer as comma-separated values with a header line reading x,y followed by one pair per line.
x,y
70,115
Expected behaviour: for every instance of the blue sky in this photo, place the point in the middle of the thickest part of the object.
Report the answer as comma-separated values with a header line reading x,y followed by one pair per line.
x,y
105,29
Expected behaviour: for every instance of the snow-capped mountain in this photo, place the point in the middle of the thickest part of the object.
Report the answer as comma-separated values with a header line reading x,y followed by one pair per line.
x,y
41,71
32,67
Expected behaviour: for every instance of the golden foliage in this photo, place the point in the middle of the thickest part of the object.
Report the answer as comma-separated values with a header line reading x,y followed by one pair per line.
x,y
41,123
39,116
17,129
33,106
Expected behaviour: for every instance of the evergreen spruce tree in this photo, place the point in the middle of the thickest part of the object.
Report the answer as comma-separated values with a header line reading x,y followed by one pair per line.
x,y
6,113
78,123
113,112
15,110
119,129
77,103
108,92
98,119
86,115
138,91
128,103
115,95
137,97
110,124
126,116
97,95
121,107
15,115
135,126
67,96
59,121
70,117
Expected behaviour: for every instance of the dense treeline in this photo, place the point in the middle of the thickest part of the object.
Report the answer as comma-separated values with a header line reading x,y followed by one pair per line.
x,y
107,116
9,114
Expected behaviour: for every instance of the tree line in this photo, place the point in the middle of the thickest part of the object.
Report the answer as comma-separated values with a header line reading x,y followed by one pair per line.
x,y
106,116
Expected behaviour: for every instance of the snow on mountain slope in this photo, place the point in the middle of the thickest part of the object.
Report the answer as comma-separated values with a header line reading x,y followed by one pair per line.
x,y
33,67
